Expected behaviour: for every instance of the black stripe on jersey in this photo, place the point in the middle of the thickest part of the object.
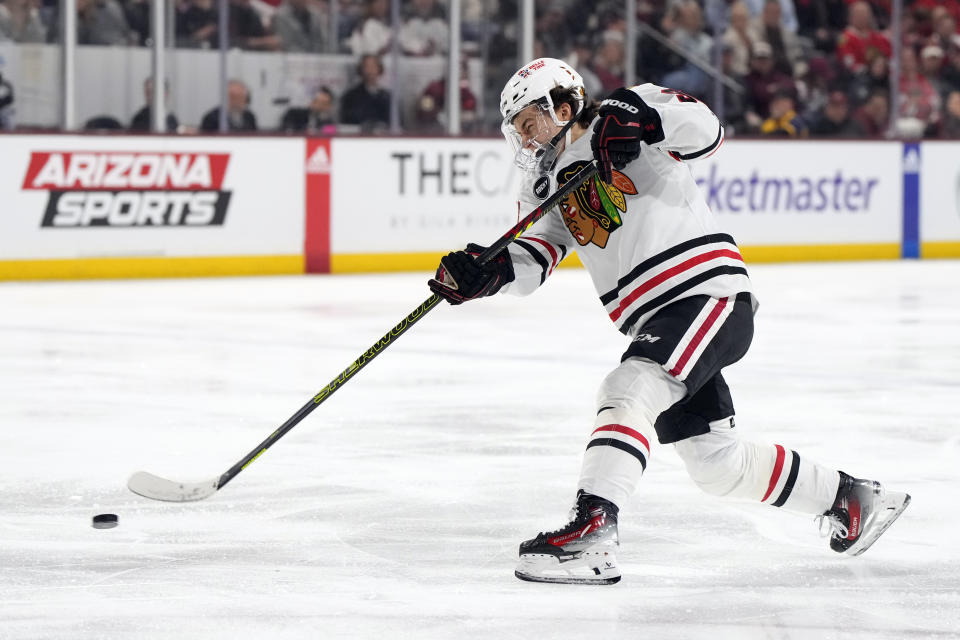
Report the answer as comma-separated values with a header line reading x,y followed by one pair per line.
x,y
563,253
623,446
675,292
791,480
541,260
602,409
697,154
663,256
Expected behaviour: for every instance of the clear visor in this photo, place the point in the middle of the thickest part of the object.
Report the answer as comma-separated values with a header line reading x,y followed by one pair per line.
x,y
530,133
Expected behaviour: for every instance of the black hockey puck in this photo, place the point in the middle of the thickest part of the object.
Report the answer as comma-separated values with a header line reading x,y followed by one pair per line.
x,y
105,521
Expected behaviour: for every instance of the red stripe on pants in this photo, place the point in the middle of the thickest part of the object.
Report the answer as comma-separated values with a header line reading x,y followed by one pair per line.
x,y
698,337
777,470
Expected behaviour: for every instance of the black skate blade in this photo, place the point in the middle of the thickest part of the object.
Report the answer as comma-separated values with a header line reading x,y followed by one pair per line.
x,y
526,577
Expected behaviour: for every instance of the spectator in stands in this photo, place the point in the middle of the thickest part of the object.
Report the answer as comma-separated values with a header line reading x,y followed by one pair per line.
x,y
551,28
951,71
688,35
367,104
918,99
608,62
247,30
372,34
581,51
814,85
734,101
301,26
739,39
431,114
425,31
103,123
20,22
916,26
769,28
319,117
102,22
6,102
931,66
143,119
950,125
198,26
821,22
784,121
239,116
944,28
876,77
860,42
137,13
787,11
764,80
873,117
718,11
834,120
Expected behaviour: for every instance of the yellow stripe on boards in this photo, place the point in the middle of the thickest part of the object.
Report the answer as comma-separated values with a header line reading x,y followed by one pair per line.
x,y
826,252
380,262
572,261
940,250
153,267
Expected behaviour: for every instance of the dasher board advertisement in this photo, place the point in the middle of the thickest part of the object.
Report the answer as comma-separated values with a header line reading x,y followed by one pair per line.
x,y
806,193
85,197
402,195
783,199
940,199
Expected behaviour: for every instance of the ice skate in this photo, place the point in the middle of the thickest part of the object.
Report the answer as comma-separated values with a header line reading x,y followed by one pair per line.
x,y
582,552
862,512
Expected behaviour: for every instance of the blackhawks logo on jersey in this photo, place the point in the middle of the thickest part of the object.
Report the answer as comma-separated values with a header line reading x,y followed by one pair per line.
x,y
594,210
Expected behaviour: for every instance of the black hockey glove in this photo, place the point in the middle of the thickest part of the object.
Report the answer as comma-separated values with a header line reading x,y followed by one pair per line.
x,y
460,278
625,121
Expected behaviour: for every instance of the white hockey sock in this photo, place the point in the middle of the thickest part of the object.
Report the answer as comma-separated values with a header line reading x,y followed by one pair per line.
x,y
723,464
616,456
630,399
799,484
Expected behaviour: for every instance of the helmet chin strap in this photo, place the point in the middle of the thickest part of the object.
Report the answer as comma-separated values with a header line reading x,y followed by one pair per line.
x,y
546,163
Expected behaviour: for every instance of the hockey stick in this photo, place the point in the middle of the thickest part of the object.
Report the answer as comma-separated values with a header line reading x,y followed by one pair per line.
x,y
157,488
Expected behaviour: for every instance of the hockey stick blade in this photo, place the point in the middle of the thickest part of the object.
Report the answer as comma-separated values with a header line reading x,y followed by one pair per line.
x,y
157,488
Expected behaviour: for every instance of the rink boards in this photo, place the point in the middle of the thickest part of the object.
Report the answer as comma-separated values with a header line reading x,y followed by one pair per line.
x,y
156,206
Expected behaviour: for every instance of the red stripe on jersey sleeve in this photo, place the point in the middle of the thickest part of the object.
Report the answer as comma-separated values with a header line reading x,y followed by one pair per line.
x,y
549,248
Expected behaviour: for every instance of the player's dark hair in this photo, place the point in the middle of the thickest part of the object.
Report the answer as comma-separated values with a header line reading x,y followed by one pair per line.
x,y
568,96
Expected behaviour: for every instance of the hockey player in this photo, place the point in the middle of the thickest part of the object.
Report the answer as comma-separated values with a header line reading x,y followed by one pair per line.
x,y
671,281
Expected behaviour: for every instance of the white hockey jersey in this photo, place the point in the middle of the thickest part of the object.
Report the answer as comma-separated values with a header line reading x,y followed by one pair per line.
x,y
656,240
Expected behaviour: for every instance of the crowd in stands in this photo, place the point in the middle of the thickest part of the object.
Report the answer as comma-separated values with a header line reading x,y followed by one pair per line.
x,y
792,68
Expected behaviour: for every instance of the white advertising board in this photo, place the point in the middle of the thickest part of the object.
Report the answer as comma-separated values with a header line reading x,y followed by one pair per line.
x,y
804,192
940,192
432,195
67,197
398,195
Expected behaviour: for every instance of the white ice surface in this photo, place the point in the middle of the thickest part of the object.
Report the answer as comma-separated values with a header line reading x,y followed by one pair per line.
x,y
395,509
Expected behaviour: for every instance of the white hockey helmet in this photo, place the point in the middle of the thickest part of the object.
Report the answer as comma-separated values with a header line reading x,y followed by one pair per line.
x,y
534,81
530,85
